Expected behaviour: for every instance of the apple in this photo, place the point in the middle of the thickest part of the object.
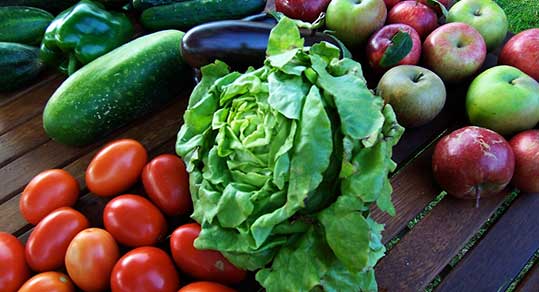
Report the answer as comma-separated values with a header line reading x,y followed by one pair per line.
x,y
416,94
522,51
485,16
382,39
391,3
446,3
354,21
417,15
473,163
503,99
454,51
300,9
525,146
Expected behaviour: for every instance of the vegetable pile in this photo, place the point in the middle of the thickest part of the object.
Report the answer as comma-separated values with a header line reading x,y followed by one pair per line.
x,y
285,162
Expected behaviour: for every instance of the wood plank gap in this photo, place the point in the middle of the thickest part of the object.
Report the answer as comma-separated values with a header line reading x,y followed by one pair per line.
x,y
22,140
530,283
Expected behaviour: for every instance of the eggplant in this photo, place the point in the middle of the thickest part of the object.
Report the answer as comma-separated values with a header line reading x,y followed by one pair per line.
x,y
238,43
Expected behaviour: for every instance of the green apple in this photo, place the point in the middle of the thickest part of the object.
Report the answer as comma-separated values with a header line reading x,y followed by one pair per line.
x,y
416,94
355,20
485,16
503,99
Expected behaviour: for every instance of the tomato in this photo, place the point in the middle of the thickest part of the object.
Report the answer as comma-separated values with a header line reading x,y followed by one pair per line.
x,y
48,242
134,221
204,286
46,192
90,257
48,281
201,264
116,167
144,269
13,268
167,184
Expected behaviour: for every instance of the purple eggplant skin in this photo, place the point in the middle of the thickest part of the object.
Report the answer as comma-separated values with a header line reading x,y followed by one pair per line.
x,y
238,43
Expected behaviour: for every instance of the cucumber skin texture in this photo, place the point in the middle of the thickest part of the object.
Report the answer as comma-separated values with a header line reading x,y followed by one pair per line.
x,y
116,88
145,4
19,64
184,15
24,25
53,6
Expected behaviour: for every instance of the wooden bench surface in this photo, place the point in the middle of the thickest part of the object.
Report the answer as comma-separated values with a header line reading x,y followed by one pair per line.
x,y
424,250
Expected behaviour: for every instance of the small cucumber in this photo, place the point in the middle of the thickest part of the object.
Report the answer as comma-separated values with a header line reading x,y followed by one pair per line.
x,y
185,15
116,88
53,6
145,4
19,64
25,25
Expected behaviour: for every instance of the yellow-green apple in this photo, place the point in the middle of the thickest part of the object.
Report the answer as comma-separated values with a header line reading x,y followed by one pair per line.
x,y
526,149
355,20
301,9
417,15
485,16
503,99
522,51
473,163
381,40
454,51
416,94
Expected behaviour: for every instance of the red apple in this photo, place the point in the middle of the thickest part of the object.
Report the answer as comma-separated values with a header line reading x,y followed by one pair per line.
x,y
391,3
526,149
454,51
382,39
301,9
417,15
473,163
522,51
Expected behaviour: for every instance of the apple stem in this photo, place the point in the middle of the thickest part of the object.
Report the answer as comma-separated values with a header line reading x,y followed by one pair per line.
x,y
477,196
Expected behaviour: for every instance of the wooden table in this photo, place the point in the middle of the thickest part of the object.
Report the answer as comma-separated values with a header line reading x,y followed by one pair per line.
x,y
423,252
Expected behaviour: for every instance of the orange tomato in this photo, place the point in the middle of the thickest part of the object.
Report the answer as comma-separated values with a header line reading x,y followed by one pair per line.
x,y
49,282
204,286
116,167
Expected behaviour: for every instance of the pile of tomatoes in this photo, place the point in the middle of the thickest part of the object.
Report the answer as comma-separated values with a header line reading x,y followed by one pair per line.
x,y
130,252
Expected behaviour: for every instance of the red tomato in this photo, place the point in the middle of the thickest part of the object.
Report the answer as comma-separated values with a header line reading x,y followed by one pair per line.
x,y
144,269
47,192
167,184
13,268
201,264
48,281
48,242
134,221
205,287
90,257
116,167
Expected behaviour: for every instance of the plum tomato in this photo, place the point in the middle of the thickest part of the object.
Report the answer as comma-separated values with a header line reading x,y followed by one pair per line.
x,y
144,269
13,268
167,184
90,257
46,192
47,245
134,221
50,282
207,265
116,167
204,286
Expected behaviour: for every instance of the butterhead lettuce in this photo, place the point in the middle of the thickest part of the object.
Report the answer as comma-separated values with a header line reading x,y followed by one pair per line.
x,y
285,162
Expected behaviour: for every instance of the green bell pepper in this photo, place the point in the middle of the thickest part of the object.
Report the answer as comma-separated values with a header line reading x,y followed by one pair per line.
x,y
83,33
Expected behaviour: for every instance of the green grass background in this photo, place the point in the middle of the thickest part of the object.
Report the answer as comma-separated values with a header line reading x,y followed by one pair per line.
x,y
522,14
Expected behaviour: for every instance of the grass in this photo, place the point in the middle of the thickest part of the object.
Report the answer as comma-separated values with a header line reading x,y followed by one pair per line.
x,y
522,14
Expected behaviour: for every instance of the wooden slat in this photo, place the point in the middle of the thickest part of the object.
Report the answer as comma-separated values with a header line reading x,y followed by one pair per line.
x,y
27,105
530,283
413,189
22,139
7,97
424,251
503,252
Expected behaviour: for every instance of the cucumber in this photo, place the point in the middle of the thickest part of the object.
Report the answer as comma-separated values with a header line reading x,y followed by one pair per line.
x,y
116,88
145,4
25,25
53,6
19,64
185,15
